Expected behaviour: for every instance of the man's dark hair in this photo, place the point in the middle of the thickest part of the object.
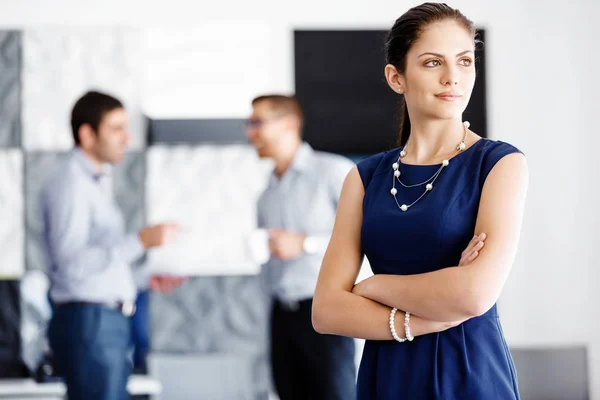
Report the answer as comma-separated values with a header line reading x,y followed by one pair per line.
x,y
90,109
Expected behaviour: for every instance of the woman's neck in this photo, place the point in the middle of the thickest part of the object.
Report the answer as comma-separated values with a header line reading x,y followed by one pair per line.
x,y
432,141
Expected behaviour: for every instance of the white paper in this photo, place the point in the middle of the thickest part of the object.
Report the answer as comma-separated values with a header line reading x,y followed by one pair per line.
x,y
197,254
211,192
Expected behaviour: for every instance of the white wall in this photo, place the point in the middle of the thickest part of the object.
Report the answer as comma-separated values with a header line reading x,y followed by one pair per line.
x,y
543,97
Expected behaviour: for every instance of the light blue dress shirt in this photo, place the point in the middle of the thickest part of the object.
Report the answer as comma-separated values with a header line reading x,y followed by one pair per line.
x,y
89,255
303,200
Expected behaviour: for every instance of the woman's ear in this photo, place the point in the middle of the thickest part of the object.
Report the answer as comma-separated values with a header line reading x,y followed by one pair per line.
x,y
394,78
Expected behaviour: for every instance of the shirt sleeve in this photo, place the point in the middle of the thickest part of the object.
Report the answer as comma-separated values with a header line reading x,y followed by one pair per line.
x,y
317,243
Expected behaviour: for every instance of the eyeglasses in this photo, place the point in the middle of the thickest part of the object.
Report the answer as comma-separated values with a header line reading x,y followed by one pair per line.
x,y
258,123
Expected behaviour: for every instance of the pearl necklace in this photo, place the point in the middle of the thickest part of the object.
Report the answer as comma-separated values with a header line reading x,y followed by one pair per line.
x,y
429,182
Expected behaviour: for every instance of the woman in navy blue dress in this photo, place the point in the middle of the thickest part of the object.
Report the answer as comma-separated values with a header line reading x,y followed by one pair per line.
x,y
418,212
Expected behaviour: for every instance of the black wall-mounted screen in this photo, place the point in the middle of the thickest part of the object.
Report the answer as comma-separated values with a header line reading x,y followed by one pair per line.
x,y
349,107
196,131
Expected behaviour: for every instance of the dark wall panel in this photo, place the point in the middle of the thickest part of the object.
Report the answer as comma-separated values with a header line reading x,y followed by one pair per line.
x,y
349,107
10,323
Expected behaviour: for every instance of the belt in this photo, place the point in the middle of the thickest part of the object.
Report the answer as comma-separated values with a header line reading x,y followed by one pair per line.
x,y
127,308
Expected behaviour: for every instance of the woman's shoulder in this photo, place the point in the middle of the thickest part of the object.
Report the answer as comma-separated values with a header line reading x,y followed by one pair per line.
x,y
493,146
487,153
372,165
491,150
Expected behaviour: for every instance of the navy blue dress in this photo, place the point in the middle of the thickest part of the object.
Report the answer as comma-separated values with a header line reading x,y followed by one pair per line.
x,y
470,361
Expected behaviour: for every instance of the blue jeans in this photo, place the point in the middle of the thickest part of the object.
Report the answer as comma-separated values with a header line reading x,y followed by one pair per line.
x,y
90,345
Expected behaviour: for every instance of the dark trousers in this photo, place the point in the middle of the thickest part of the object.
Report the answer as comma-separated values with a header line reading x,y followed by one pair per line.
x,y
90,345
307,365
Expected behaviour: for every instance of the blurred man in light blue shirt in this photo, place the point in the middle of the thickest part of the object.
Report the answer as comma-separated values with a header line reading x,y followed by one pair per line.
x,y
298,208
92,285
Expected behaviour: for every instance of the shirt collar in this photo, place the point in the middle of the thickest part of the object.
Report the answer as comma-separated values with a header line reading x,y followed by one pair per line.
x,y
302,158
88,166
301,162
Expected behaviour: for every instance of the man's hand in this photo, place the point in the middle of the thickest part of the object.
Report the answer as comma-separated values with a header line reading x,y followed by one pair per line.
x,y
472,251
285,245
158,235
166,283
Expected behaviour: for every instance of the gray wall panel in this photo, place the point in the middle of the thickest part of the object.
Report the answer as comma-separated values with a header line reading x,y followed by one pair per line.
x,y
10,88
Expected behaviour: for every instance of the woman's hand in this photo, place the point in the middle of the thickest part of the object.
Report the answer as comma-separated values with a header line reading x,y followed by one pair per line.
x,y
472,251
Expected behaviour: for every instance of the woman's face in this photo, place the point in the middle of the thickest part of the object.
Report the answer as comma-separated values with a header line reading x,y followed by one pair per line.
x,y
440,72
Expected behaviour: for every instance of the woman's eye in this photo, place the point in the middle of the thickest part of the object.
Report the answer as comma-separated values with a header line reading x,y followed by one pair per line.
x,y
433,63
466,62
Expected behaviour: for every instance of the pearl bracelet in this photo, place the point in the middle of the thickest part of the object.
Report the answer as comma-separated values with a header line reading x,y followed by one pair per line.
x,y
393,326
409,336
